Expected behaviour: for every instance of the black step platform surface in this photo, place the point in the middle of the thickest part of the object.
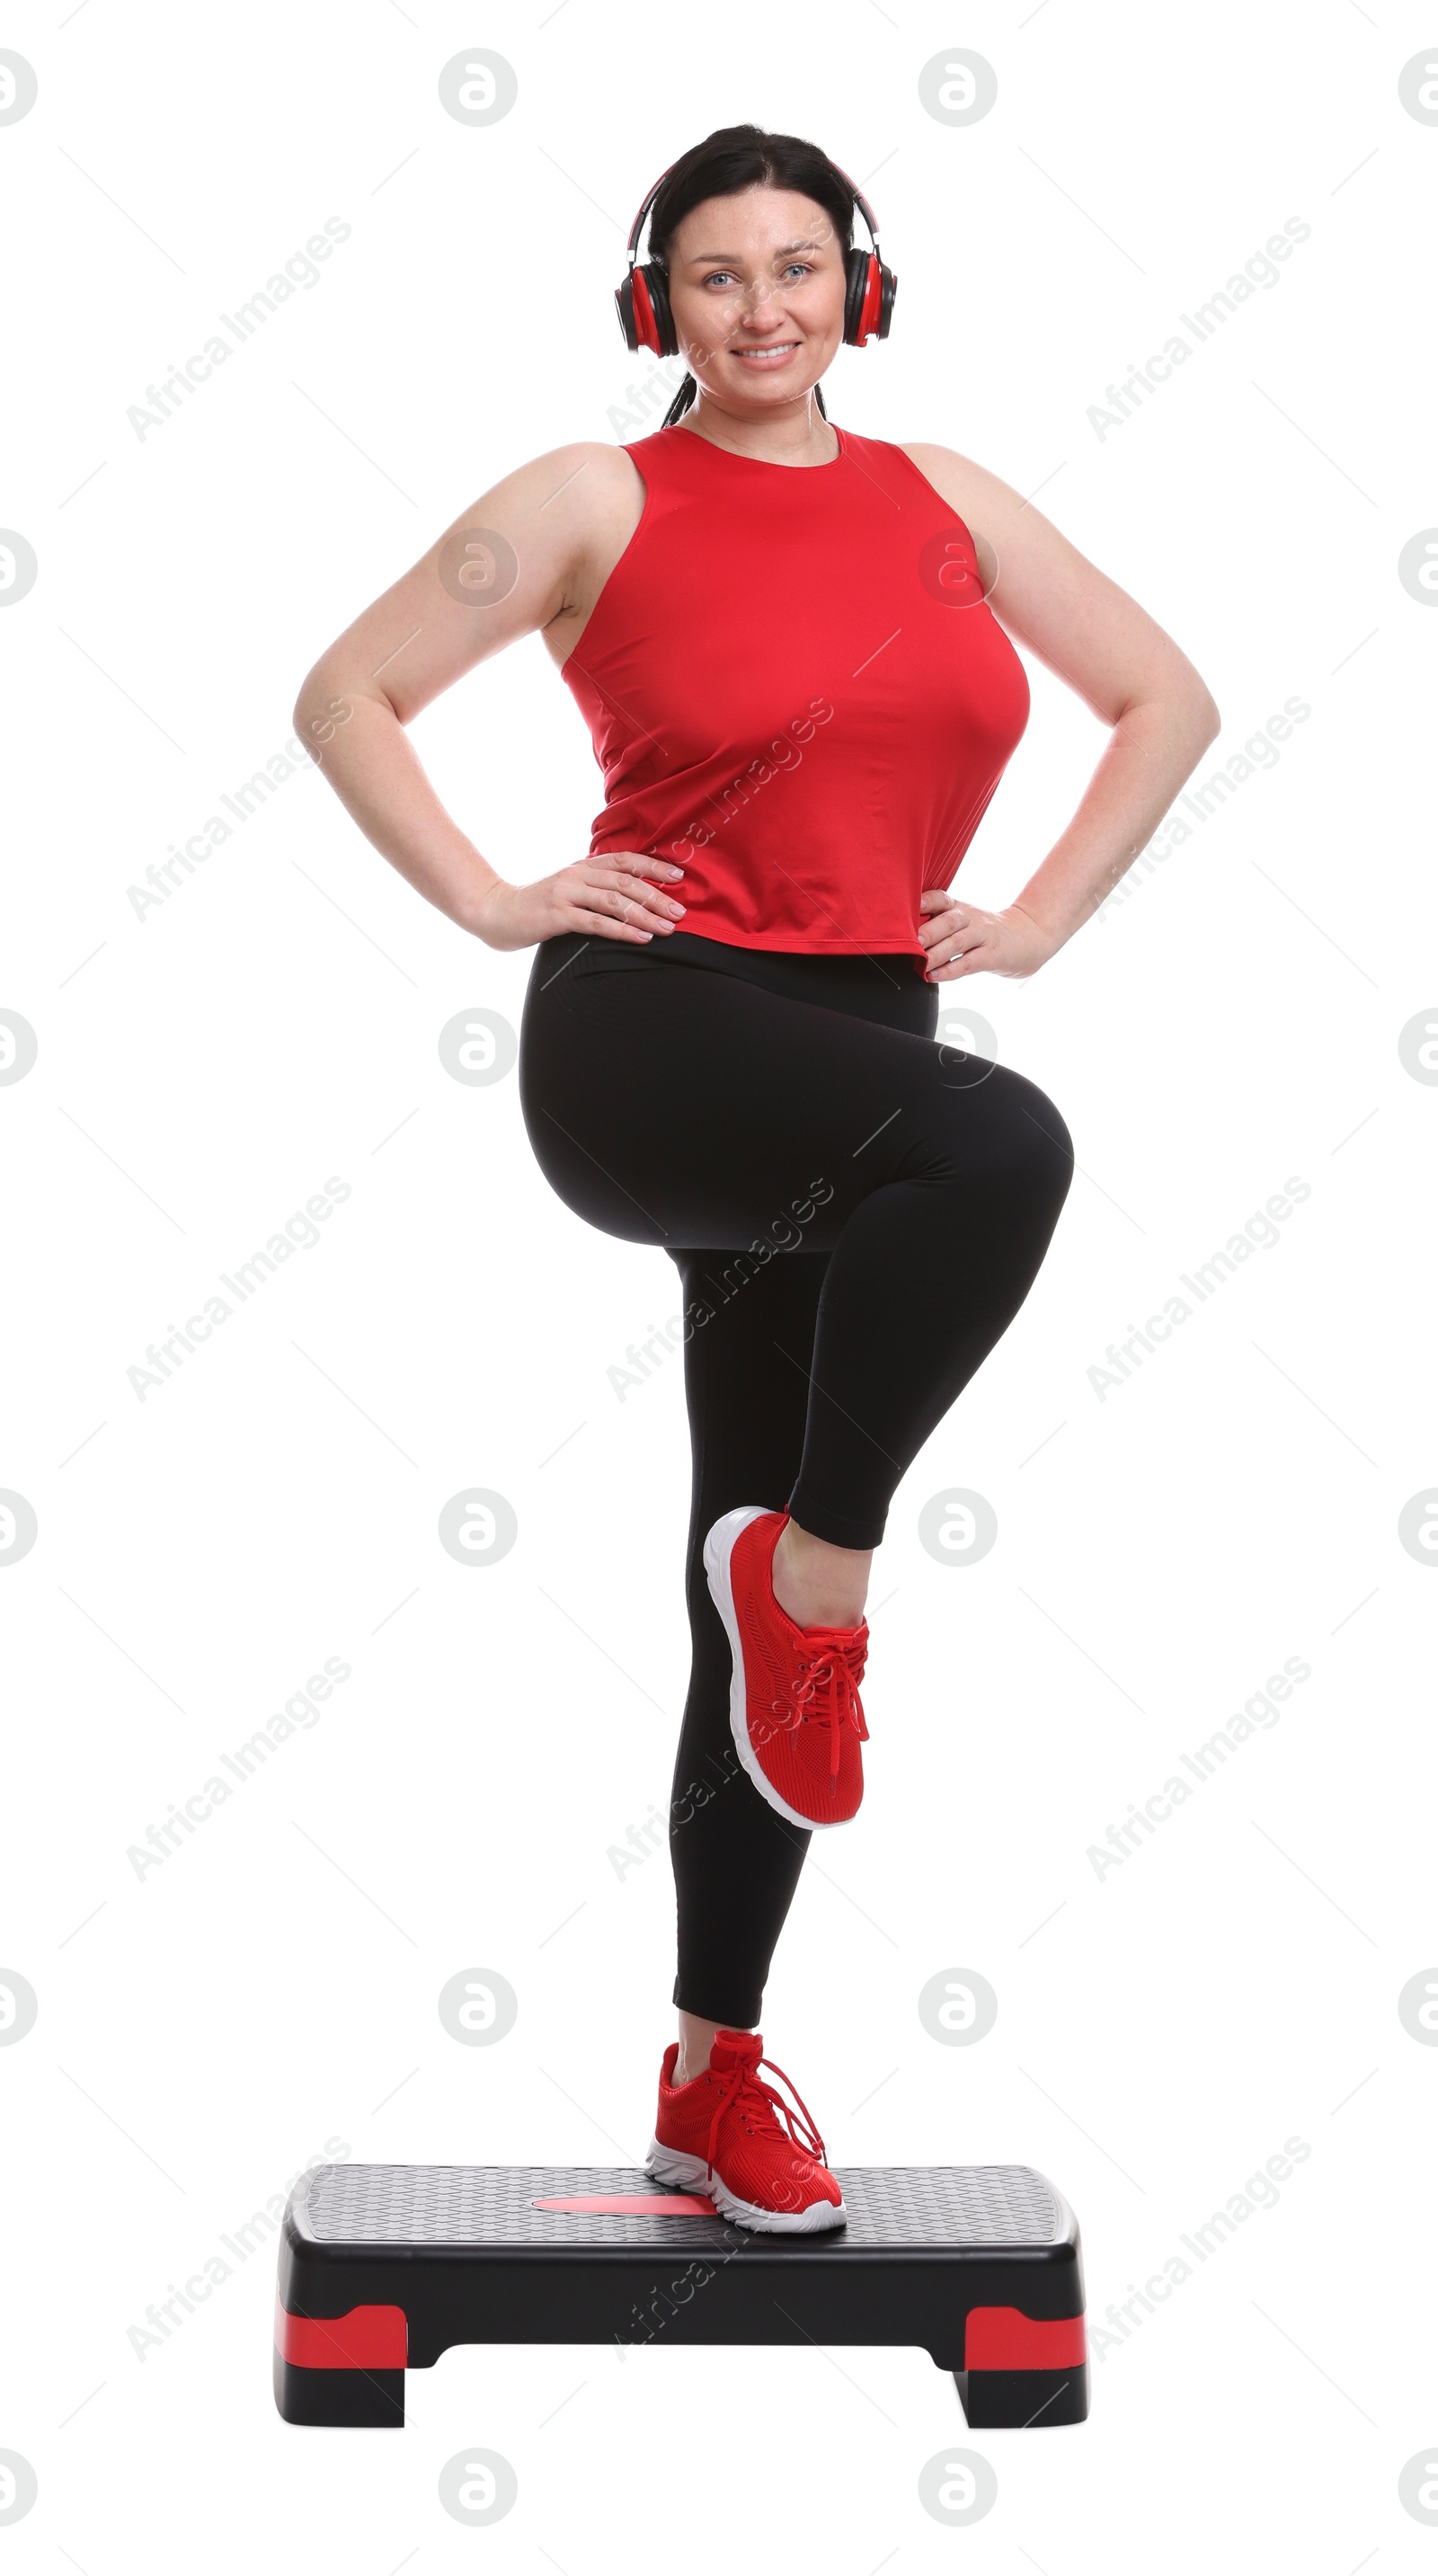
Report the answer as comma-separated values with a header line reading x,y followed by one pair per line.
x,y
383,2267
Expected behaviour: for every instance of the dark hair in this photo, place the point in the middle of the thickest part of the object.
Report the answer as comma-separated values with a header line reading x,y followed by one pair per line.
x,y
733,158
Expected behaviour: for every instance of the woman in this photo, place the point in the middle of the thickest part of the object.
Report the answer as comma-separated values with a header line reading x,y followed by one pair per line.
x,y
791,645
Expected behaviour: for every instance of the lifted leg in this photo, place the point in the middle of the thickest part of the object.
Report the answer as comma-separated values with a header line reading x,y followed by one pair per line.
x,y
1020,2398
369,2397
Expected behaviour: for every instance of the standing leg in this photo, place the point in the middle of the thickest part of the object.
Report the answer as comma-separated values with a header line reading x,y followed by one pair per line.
x,y
736,1861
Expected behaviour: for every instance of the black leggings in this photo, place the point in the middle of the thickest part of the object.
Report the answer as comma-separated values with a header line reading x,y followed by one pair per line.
x,y
856,1214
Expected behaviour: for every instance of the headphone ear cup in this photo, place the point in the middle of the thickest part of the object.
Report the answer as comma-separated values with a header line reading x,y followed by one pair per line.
x,y
624,307
856,264
642,304
869,298
666,338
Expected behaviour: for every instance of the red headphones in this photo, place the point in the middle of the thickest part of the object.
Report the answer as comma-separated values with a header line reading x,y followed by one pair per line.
x,y
643,299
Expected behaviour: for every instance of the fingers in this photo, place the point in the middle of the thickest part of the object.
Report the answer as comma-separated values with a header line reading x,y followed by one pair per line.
x,y
945,918
618,915
652,898
642,863
629,863
605,926
958,952
612,894
947,938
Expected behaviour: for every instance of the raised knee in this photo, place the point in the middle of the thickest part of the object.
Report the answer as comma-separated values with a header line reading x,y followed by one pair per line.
x,y
1051,1145
1025,1141
997,1133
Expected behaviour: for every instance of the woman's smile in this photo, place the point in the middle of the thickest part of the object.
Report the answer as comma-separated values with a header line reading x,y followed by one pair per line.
x,y
773,354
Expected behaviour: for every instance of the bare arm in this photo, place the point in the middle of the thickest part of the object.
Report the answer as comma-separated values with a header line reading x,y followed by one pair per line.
x,y
1123,666
471,595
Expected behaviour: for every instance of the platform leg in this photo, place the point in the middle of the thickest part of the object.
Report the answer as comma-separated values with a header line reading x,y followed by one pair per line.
x,y
374,2398
1020,2398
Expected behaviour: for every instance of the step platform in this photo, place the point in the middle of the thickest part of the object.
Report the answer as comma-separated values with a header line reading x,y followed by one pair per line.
x,y
383,2267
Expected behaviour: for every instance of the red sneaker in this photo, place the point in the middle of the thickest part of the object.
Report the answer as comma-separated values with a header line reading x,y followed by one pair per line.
x,y
720,2134
794,1706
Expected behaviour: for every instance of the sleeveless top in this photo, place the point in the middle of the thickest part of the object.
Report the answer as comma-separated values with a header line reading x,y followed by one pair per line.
x,y
797,692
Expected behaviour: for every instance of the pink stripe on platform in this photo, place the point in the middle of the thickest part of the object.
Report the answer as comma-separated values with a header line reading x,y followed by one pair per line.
x,y
635,2204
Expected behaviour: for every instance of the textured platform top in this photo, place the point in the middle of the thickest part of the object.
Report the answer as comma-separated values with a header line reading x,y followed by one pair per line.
x,y
894,2209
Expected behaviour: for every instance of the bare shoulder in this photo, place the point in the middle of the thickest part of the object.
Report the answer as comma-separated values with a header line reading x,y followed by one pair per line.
x,y
1049,596
1021,553
987,505
573,511
530,554
586,477
581,504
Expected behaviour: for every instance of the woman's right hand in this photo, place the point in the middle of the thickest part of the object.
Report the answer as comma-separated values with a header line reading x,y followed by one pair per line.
x,y
614,896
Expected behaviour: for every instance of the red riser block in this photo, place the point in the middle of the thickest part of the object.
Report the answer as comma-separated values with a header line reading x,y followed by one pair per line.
x,y
1005,2339
371,2338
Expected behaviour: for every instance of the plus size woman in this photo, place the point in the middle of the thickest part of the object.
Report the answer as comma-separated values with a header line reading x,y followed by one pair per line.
x,y
791,645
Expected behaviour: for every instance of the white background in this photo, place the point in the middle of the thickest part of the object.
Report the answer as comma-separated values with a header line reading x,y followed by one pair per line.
x,y
203,1069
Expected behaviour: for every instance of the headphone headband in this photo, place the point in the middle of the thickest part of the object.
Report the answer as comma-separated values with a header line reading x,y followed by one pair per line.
x,y
862,202
638,224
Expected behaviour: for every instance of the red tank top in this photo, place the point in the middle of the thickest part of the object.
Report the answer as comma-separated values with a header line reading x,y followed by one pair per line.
x,y
796,691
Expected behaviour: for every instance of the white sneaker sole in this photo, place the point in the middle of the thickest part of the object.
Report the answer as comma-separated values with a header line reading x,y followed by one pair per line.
x,y
718,1549
690,2173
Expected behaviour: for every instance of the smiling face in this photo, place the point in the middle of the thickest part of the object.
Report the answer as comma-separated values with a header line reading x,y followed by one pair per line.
x,y
756,287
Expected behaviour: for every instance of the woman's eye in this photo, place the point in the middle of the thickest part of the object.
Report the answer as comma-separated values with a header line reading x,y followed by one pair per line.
x,y
726,276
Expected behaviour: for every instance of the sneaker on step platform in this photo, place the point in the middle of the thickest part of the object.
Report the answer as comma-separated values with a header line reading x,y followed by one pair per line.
x,y
721,2134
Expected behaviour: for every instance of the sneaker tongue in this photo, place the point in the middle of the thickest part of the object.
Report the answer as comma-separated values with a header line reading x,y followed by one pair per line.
x,y
736,2048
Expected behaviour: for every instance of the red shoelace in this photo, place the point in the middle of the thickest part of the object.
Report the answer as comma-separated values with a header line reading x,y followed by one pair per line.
x,y
757,2103
826,1692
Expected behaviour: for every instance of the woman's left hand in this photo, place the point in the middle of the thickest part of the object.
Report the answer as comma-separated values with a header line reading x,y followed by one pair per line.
x,y
962,940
